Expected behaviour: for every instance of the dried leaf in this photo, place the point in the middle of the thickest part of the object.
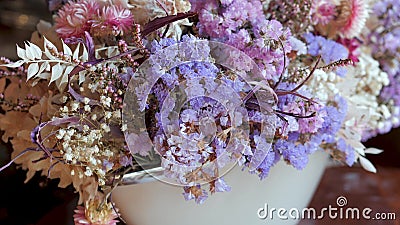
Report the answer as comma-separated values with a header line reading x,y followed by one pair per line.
x,y
43,67
67,50
38,52
14,64
56,72
3,81
12,91
61,83
29,53
32,51
76,52
21,52
82,77
45,76
85,55
367,165
373,151
48,45
33,69
11,128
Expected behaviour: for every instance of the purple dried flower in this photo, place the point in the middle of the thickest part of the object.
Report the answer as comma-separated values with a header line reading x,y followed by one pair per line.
x,y
330,51
220,185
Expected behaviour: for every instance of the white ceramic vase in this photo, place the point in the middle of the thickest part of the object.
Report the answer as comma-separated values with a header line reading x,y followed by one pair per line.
x,y
157,203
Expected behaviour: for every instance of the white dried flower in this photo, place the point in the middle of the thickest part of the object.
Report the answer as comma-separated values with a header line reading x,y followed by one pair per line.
x,y
87,108
74,106
105,127
117,114
94,117
86,100
68,157
60,134
86,128
124,127
64,99
71,132
108,115
96,149
88,172
64,109
105,100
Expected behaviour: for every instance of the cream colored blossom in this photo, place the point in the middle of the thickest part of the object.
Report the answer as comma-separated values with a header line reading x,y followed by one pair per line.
x,y
147,10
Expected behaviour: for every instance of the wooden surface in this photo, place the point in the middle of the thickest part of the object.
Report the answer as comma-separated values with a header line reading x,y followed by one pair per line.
x,y
380,192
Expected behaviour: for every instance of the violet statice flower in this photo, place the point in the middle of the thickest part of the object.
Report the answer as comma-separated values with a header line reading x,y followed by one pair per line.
x,y
297,106
107,165
296,148
336,112
220,185
312,124
346,152
185,149
269,161
192,126
329,50
125,160
295,154
156,46
196,193
384,40
242,24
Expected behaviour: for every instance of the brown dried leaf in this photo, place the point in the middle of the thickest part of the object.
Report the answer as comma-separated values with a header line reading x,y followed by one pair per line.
x,y
2,84
12,92
12,122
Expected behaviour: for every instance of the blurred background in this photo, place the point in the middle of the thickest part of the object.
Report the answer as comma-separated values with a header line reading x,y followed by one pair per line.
x,y
39,201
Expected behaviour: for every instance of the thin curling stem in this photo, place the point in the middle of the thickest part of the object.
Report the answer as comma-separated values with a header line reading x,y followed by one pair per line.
x,y
296,115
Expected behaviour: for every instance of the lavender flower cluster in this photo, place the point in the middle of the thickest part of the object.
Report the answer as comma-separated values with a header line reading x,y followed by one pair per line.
x,y
201,122
385,43
195,141
242,24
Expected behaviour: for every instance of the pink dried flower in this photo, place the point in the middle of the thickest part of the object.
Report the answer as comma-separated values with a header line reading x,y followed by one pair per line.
x,y
355,13
95,214
322,11
119,19
75,18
